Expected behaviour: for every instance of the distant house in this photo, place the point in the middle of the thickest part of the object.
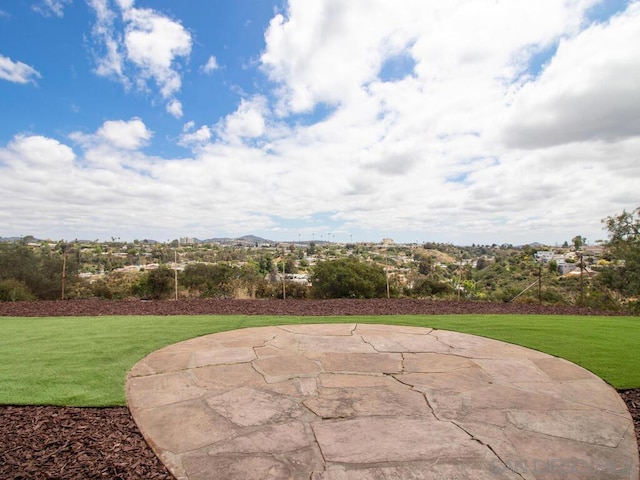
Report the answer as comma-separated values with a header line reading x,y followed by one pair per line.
x,y
565,267
544,256
593,250
576,271
300,278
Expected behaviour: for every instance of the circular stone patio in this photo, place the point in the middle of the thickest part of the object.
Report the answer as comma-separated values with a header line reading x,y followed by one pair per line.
x,y
359,401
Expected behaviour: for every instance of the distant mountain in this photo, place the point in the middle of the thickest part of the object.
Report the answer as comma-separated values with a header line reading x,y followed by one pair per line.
x,y
253,238
10,239
244,240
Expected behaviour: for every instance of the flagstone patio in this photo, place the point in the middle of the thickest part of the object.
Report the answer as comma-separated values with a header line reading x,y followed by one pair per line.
x,y
359,401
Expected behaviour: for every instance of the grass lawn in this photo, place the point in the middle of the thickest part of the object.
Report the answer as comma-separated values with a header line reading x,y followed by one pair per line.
x,y
83,361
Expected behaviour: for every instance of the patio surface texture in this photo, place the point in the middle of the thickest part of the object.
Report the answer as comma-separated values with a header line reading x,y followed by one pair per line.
x,y
359,401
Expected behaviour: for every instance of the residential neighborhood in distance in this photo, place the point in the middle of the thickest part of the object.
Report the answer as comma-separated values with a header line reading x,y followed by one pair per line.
x,y
255,267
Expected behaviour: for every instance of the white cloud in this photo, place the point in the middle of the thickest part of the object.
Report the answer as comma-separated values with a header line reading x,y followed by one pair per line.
x,y
316,56
211,65
110,191
36,151
200,136
589,91
458,149
51,7
130,135
117,134
425,152
153,42
147,48
174,107
110,59
17,72
248,121
324,52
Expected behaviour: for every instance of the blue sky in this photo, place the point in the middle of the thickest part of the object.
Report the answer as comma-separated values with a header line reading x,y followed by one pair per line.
x,y
463,121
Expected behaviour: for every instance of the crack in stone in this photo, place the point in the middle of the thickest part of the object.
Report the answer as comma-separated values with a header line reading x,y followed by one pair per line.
x,y
317,443
393,375
372,345
353,330
488,446
473,437
433,334
262,374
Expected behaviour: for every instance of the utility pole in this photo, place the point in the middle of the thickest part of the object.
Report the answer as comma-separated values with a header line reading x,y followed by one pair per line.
x,y
175,271
581,279
386,273
64,269
284,277
540,283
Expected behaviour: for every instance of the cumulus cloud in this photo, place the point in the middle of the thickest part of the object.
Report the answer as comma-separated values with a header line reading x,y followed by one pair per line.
x,y
432,141
36,151
211,65
153,42
468,143
139,47
327,51
17,72
589,90
174,107
314,55
129,135
112,189
119,134
248,121
197,137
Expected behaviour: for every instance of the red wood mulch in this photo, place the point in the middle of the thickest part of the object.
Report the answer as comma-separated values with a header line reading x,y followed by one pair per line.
x,y
74,443
44,442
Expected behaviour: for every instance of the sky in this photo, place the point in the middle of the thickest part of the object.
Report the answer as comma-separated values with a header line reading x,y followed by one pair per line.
x,y
457,121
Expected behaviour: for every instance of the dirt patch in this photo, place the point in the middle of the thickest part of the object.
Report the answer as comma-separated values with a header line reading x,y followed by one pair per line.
x,y
68,443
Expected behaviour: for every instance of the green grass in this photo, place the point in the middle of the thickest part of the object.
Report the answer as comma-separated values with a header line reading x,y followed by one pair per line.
x,y
83,361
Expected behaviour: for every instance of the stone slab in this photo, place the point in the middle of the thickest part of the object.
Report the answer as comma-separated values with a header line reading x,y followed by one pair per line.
x,y
378,440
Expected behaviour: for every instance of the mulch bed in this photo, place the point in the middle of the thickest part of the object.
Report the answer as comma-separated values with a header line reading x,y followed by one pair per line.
x,y
70,443
394,306
74,443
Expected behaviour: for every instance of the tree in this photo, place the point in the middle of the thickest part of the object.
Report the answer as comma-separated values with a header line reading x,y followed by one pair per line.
x,y
40,271
290,266
159,283
427,287
196,278
425,267
482,263
265,264
217,280
348,278
623,274
12,290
